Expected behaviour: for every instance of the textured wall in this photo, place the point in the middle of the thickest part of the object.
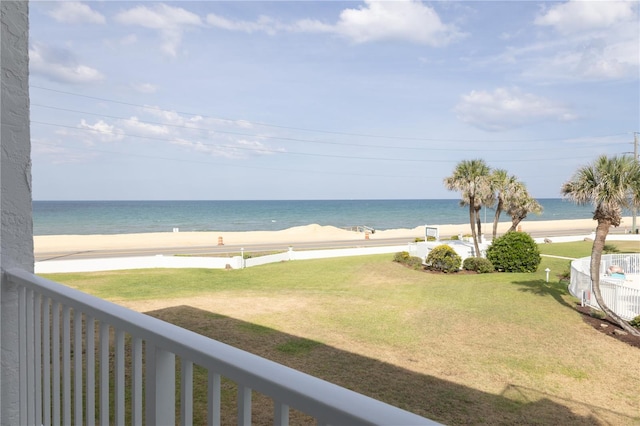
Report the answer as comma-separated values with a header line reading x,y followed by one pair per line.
x,y
16,245
16,235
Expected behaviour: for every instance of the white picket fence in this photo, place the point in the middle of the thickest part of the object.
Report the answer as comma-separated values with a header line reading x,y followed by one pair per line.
x,y
621,295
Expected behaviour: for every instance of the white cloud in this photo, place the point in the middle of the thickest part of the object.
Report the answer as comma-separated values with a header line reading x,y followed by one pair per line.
x,y
231,148
172,118
215,136
600,41
505,109
576,16
311,26
594,60
196,122
401,20
257,147
60,65
74,12
170,22
105,131
145,88
263,23
145,129
395,20
214,150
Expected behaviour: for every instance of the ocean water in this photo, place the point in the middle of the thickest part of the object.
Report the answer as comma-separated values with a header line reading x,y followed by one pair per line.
x,y
121,217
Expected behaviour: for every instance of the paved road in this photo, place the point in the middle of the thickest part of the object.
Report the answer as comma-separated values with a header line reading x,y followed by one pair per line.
x,y
253,248
219,250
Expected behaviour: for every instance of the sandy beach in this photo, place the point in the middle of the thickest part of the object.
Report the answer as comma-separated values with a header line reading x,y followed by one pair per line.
x,y
291,236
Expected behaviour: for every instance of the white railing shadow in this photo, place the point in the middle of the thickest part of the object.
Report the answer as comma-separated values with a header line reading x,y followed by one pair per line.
x,y
58,348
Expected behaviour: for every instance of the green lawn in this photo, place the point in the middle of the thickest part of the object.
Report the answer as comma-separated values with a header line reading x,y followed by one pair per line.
x,y
583,248
459,349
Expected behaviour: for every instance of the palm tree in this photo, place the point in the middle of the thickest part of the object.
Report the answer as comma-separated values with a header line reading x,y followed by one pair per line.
x,y
484,198
469,177
520,204
503,186
610,184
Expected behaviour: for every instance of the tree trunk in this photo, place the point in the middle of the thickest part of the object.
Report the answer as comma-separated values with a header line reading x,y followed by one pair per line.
x,y
472,217
515,221
479,224
496,218
596,256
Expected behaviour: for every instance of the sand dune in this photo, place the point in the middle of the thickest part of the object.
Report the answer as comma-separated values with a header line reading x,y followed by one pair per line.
x,y
309,233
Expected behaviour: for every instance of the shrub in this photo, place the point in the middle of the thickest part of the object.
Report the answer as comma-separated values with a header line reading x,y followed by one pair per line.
x,y
478,264
610,248
401,257
443,258
635,322
597,314
406,259
514,252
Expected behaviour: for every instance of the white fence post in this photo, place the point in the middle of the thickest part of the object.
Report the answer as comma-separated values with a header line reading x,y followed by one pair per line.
x,y
161,386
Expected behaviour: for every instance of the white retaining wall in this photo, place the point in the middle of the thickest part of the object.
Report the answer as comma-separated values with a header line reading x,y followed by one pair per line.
x,y
236,262
140,262
464,249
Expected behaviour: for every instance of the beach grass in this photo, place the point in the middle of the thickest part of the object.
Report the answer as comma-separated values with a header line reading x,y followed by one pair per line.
x,y
459,349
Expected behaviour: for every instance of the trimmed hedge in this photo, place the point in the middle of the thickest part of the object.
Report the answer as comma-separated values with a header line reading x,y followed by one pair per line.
x,y
405,258
478,264
514,252
443,258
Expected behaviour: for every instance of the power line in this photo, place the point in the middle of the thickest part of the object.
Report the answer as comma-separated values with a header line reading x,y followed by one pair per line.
x,y
213,163
289,139
243,166
273,151
300,128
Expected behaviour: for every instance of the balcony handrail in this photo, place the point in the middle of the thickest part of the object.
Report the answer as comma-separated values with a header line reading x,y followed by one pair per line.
x,y
327,402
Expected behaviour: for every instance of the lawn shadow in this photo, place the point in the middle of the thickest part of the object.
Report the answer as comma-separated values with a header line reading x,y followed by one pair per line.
x,y
557,290
426,395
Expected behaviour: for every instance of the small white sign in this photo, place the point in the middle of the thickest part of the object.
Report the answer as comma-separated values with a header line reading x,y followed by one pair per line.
x,y
432,231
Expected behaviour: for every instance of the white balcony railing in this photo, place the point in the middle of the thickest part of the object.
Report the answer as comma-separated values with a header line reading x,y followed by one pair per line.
x,y
65,374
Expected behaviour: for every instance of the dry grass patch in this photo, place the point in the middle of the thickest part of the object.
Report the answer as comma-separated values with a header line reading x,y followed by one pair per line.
x,y
472,349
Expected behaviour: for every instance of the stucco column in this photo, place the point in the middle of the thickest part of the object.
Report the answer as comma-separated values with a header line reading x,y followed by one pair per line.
x,y
16,228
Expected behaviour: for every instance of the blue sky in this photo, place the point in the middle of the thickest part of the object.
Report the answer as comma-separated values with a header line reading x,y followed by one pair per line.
x,y
324,100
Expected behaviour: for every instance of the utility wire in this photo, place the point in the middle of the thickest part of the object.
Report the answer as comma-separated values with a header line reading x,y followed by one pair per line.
x,y
213,163
300,128
289,139
272,151
242,166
